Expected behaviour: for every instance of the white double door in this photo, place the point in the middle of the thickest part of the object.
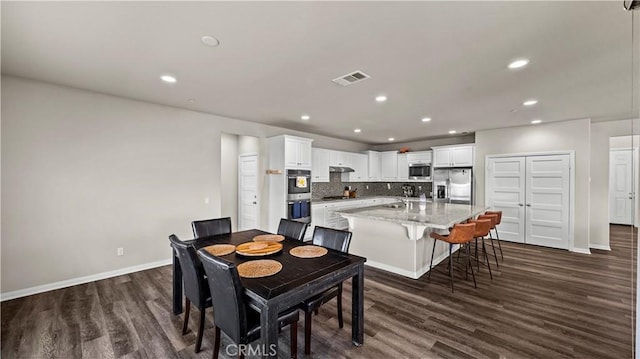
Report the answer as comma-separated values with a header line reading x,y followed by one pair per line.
x,y
533,194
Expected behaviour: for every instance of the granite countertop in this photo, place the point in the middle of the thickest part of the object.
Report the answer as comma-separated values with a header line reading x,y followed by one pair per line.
x,y
320,200
436,215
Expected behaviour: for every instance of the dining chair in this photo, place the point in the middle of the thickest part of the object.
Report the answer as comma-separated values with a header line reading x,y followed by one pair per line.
x,y
196,289
462,234
292,229
483,226
332,239
495,229
233,316
211,227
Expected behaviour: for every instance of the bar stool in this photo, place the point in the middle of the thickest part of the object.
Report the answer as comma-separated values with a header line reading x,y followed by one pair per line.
x,y
460,234
494,220
495,228
483,226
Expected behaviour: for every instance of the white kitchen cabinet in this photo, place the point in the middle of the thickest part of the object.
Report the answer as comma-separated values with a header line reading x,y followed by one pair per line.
x,y
403,167
419,157
373,166
453,156
320,165
360,165
388,165
317,219
289,152
339,158
297,152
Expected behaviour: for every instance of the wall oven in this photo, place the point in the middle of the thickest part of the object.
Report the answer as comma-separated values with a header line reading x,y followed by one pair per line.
x,y
299,195
420,171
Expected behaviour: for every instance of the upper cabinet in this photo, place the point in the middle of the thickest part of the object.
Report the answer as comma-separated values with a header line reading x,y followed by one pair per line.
x,y
360,165
320,165
453,156
373,159
289,152
388,165
339,158
297,152
419,157
403,166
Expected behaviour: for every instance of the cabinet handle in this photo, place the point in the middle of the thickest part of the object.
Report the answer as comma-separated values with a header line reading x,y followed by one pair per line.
x,y
528,205
520,204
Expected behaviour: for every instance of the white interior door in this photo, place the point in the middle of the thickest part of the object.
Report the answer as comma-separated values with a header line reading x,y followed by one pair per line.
x,y
547,201
248,192
621,186
505,191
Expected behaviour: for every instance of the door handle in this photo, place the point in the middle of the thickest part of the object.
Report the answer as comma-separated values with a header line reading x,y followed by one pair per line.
x,y
255,202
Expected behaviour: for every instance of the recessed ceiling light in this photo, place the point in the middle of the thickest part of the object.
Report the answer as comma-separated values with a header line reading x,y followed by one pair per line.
x,y
210,41
535,122
452,132
357,130
391,139
530,102
305,117
191,100
426,119
381,98
169,78
516,64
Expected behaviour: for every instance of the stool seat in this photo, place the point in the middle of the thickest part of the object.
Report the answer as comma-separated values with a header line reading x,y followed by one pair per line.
x,y
461,234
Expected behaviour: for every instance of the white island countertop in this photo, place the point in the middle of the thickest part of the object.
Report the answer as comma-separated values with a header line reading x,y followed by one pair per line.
x,y
436,215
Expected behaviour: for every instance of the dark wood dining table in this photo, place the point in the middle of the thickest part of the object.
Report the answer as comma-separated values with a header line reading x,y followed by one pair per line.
x,y
299,279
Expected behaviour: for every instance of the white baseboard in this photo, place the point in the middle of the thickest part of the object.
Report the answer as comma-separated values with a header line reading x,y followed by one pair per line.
x,y
603,247
81,280
404,272
581,250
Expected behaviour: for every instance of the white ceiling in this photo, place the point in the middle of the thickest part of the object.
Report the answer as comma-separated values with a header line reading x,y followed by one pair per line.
x,y
276,60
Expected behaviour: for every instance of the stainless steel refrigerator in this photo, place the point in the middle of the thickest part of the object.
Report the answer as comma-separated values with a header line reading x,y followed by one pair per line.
x,y
453,185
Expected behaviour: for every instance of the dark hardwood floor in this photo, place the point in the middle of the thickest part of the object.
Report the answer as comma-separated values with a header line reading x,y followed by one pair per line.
x,y
542,303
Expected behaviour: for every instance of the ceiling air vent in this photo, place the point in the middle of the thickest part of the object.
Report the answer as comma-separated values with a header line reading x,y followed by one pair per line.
x,y
351,78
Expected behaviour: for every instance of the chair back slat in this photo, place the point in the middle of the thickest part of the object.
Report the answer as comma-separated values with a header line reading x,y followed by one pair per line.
x,y
292,229
211,227
332,238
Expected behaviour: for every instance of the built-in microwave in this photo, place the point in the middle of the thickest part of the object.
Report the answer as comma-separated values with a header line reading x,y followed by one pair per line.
x,y
420,171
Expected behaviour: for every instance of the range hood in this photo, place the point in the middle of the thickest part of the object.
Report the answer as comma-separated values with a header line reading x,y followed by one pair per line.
x,y
340,169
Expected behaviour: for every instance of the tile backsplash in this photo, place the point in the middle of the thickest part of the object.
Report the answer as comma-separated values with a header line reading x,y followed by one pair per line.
x,y
335,187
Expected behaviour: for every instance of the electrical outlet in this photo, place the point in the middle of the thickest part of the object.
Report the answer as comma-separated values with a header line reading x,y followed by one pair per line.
x,y
120,251
206,200
388,185
366,186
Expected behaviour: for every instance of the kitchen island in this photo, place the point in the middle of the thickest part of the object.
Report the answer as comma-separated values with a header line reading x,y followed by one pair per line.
x,y
395,237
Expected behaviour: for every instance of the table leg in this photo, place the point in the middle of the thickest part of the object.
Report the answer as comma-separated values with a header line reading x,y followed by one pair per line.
x,y
357,308
177,286
269,332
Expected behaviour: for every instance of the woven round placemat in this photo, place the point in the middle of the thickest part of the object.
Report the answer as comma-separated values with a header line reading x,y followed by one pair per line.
x,y
220,249
268,238
308,251
259,268
257,249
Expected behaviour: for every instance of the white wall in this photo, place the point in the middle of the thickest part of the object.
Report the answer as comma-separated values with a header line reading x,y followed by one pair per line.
x,y
84,173
229,178
567,135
